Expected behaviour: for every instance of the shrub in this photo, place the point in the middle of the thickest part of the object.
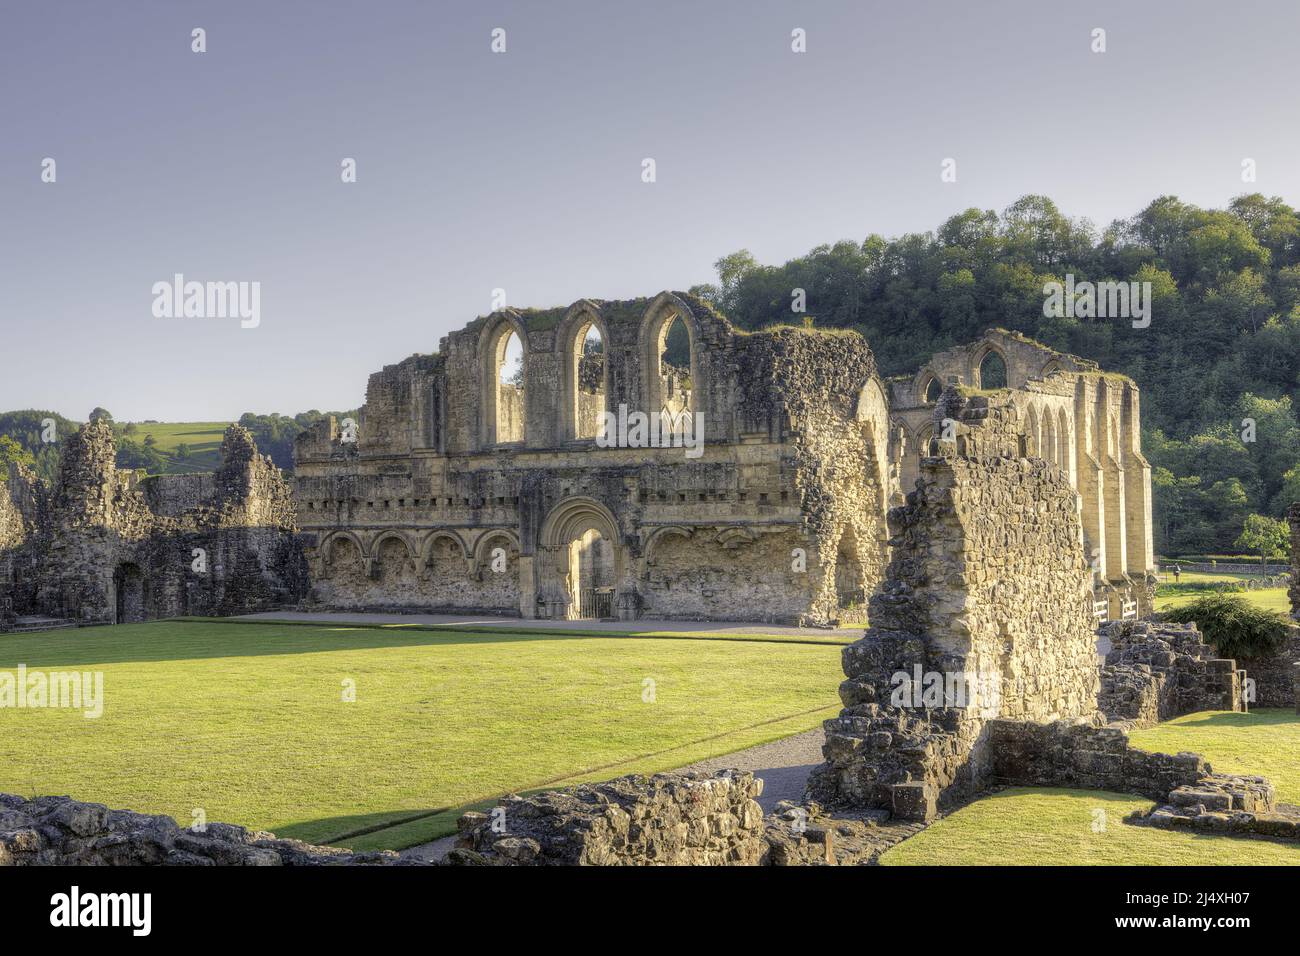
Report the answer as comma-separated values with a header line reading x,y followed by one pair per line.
x,y
1235,627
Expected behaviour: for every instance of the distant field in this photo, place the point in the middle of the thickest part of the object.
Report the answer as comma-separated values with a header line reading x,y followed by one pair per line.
x,y
204,439
1170,595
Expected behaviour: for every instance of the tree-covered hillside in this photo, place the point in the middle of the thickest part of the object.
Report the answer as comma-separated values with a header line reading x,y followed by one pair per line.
x,y
1223,344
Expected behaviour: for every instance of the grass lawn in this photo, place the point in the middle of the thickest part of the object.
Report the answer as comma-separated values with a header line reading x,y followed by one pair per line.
x,y
247,721
1053,827
1031,826
204,439
1169,594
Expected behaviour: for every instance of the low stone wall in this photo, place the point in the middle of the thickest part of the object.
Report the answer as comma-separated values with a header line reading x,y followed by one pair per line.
x,y
60,831
1273,677
1082,754
673,819
1155,671
1233,805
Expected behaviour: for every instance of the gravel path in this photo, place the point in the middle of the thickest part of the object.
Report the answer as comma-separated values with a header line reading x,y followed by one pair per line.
x,y
783,765
639,625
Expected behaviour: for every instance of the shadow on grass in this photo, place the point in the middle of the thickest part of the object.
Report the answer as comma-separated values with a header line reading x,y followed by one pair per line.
x,y
199,639
184,640
1264,717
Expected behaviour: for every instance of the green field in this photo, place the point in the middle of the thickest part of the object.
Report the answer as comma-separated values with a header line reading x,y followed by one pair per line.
x,y
1169,594
204,439
1058,827
248,722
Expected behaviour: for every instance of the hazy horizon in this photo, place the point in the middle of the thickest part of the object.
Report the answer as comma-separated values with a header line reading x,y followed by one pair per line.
x,y
522,170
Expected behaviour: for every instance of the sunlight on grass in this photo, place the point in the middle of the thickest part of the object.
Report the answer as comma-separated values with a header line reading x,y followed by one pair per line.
x,y
247,721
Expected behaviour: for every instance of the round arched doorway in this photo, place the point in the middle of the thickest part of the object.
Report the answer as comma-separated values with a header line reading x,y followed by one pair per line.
x,y
582,561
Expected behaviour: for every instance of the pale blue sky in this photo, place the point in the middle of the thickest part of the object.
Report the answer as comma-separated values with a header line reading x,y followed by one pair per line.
x,y
522,170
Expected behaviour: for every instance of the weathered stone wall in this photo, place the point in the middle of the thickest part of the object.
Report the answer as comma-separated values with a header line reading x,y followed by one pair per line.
x,y
98,552
986,585
59,831
1083,753
779,518
1271,677
1157,671
679,819
1066,411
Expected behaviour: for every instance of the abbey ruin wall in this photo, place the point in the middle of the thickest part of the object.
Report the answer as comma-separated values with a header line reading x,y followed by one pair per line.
x,y
442,502
106,545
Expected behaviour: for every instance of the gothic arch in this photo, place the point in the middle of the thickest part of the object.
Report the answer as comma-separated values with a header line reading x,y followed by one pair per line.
x,y
978,367
491,352
581,315
655,324
328,542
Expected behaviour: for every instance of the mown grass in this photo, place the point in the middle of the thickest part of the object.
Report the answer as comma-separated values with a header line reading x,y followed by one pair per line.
x,y
1055,827
248,722
1192,584
203,438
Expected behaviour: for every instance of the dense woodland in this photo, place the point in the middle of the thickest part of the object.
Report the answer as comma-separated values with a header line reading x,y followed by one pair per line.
x,y
1223,344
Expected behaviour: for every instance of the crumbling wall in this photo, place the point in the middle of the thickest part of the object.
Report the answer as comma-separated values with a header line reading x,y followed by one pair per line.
x,y
1157,671
789,458
986,598
60,831
217,544
678,819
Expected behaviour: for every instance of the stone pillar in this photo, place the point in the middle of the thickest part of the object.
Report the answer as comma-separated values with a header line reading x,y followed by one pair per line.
x,y
527,586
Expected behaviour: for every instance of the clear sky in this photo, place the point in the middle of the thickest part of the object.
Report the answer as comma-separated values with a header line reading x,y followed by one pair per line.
x,y
522,170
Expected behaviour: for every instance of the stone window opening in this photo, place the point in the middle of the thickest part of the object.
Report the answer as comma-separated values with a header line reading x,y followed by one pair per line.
x,y
931,392
992,372
505,405
588,373
850,579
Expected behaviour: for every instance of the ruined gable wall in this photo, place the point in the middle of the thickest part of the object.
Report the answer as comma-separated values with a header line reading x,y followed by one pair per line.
x,y
986,582
803,388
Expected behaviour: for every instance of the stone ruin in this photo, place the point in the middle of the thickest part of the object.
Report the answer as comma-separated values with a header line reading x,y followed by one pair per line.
x,y
986,618
464,492
459,491
107,546
1071,414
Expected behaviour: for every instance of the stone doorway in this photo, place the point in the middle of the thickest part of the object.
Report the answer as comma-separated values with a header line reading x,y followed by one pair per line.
x,y
128,589
591,577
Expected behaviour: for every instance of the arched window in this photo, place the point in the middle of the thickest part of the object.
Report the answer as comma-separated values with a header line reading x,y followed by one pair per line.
x,y
932,391
675,367
504,405
993,371
587,367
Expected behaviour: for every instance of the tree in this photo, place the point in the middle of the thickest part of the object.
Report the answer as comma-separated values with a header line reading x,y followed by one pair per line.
x,y
1267,536
101,414
12,453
